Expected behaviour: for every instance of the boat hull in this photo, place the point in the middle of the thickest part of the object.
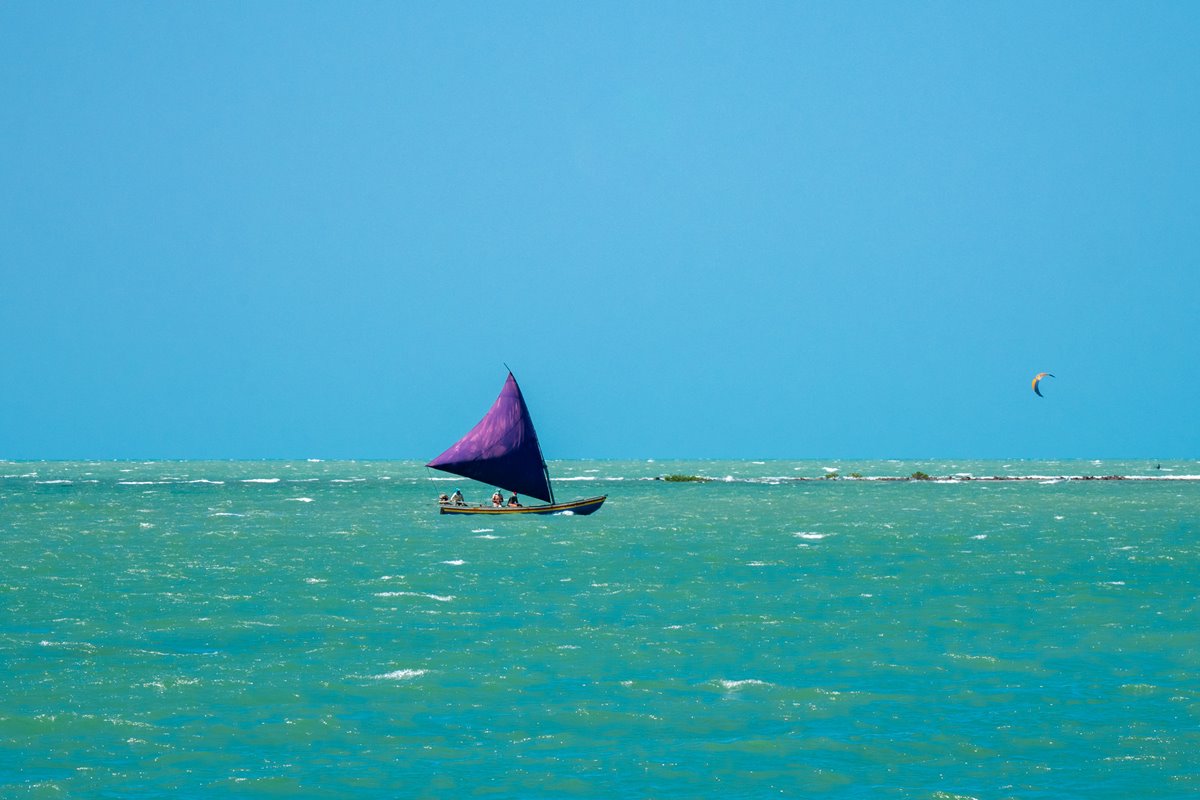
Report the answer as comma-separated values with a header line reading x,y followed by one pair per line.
x,y
578,507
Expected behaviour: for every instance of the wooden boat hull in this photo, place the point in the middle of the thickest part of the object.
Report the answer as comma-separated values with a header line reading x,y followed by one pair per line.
x,y
578,507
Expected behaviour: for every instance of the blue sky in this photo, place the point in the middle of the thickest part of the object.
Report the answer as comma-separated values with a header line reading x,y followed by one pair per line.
x,y
765,230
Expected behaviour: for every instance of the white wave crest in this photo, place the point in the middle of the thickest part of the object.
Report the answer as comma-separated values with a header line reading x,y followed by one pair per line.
x,y
401,675
299,500
809,535
260,480
440,598
734,685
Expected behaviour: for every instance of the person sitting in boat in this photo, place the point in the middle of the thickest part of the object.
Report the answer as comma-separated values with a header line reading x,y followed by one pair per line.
x,y
443,498
497,499
457,498
513,502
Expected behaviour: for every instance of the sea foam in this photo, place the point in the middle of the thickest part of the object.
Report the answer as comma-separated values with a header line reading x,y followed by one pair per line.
x,y
400,675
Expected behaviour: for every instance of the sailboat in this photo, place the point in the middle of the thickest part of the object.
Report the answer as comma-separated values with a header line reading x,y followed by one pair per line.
x,y
502,450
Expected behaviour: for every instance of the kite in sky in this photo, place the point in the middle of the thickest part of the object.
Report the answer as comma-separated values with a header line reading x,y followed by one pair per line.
x,y
1038,379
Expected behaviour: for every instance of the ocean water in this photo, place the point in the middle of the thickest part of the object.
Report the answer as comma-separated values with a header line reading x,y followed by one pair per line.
x,y
317,629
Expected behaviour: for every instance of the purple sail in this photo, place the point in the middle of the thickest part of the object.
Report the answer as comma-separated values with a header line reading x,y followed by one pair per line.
x,y
502,449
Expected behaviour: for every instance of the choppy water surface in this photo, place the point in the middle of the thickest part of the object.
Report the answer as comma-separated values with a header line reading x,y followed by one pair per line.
x,y
265,629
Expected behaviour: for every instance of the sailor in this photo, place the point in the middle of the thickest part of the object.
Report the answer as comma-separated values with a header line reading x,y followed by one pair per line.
x,y
513,502
457,498
497,499
443,498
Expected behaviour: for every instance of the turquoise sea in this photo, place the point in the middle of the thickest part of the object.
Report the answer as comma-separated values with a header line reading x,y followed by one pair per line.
x,y
317,629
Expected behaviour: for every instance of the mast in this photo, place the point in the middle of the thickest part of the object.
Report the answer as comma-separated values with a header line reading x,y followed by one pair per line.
x,y
537,442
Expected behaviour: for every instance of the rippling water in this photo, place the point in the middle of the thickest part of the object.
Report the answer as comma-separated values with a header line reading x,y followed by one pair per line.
x,y
265,629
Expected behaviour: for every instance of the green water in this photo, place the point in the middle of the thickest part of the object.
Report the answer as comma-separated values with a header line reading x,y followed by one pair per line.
x,y
328,634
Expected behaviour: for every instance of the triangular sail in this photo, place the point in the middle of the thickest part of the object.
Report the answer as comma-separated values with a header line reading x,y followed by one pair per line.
x,y
502,449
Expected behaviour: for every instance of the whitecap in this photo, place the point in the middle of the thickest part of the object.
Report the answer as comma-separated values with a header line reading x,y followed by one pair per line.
x,y
225,514
400,675
315,580
734,685
440,598
84,645
206,480
260,480
483,530
458,562
299,500
809,535
61,480
347,480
